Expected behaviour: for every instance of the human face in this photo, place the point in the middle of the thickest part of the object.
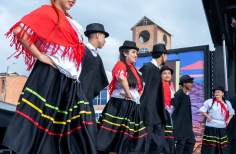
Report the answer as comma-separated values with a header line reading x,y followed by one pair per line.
x,y
100,40
166,75
188,84
65,5
164,58
219,94
131,56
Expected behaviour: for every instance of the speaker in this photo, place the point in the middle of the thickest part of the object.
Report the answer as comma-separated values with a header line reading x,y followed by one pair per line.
x,y
7,110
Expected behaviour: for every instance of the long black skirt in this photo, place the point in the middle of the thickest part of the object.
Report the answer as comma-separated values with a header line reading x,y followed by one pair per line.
x,y
215,141
120,128
169,141
52,116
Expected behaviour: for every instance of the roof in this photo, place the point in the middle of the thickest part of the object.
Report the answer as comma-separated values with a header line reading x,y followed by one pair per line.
x,y
3,74
7,106
148,22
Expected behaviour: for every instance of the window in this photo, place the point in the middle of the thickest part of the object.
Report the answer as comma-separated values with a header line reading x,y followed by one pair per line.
x,y
2,96
95,101
101,99
3,84
144,36
143,50
97,115
164,39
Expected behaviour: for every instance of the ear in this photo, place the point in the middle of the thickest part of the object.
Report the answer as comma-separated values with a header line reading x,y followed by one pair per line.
x,y
125,54
97,35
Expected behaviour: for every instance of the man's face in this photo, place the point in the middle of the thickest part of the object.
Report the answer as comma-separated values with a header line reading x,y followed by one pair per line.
x,y
164,58
188,84
101,40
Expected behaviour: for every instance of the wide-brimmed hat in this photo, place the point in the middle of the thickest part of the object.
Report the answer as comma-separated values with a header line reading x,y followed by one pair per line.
x,y
165,67
219,88
184,78
94,28
158,49
129,45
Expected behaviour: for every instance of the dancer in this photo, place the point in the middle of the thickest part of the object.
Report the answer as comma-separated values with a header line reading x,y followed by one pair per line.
x,y
53,114
232,126
120,126
152,101
182,117
218,112
169,142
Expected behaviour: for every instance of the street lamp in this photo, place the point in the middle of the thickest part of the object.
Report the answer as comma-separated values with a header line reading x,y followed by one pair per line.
x,y
4,96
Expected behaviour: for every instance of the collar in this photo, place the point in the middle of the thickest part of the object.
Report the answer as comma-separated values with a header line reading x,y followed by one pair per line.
x,y
155,63
92,49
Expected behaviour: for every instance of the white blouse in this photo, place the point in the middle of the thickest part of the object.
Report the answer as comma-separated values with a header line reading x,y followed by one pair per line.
x,y
215,113
63,64
118,91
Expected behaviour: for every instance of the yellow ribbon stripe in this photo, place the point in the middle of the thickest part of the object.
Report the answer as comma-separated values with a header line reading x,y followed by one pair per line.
x,y
216,141
51,118
124,126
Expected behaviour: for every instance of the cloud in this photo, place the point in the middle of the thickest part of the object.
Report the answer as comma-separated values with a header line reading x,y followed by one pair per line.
x,y
185,20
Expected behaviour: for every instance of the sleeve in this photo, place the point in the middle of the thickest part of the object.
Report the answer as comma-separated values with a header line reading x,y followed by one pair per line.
x,y
119,69
230,108
205,106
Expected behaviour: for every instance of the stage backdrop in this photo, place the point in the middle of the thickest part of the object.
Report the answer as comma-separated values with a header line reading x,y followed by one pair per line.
x,y
194,61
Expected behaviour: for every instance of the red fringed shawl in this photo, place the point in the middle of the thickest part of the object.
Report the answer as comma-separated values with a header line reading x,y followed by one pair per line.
x,y
120,68
167,94
41,27
224,111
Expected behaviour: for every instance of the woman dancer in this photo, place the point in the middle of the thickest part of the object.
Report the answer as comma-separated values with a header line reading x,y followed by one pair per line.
x,y
53,114
120,128
218,112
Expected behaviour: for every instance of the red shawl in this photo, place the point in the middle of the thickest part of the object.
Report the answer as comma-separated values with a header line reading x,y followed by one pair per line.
x,y
224,111
42,25
167,94
120,68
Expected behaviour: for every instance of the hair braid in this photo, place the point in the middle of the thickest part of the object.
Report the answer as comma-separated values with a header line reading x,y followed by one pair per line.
x,y
67,14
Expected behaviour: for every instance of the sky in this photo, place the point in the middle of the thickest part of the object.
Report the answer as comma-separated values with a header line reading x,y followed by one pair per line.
x,y
184,19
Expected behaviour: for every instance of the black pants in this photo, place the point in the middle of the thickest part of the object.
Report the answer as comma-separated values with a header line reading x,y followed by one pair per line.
x,y
155,136
232,146
185,146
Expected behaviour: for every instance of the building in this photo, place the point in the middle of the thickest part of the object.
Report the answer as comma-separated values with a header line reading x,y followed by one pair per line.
x,y
146,33
11,86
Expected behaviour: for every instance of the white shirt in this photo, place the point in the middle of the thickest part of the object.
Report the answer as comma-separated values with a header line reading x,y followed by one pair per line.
x,y
63,64
119,90
215,113
92,49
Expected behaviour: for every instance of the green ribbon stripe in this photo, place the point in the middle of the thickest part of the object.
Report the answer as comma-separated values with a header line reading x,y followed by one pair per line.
x,y
51,106
121,118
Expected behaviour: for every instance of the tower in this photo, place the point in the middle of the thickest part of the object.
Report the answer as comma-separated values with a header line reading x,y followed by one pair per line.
x,y
146,33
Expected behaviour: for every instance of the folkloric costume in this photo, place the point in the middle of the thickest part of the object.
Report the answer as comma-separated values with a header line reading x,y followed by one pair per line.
x,y
54,114
120,126
232,126
215,139
169,142
152,101
182,120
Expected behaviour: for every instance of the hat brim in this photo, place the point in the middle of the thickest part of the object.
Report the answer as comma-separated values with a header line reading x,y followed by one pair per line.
x,y
185,80
88,32
158,52
218,89
171,71
127,47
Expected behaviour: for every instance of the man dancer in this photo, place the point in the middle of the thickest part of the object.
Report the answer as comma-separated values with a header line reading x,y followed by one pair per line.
x,y
182,117
152,100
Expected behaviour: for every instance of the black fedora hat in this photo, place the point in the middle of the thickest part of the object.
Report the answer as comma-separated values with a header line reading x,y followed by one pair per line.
x,y
129,45
184,78
219,88
165,67
94,28
159,48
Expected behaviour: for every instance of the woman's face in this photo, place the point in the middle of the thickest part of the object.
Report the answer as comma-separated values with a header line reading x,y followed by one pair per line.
x,y
219,94
65,5
166,75
131,56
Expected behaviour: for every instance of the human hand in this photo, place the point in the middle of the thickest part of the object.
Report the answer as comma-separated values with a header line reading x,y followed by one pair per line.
x,y
209,118
227,121
47,60
127,96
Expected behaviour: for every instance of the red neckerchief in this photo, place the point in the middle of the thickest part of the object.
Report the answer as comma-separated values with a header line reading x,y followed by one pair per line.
x,y
167,93
224,111
41,24
116,71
